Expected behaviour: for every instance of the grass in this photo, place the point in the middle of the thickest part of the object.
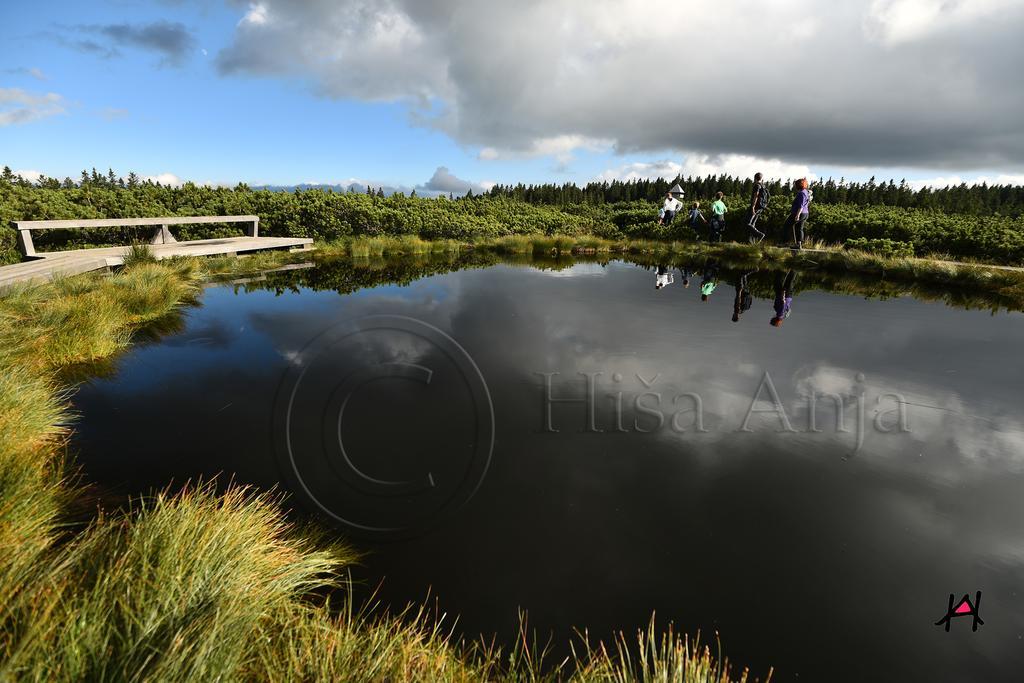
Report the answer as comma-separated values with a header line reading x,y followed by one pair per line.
x,y
138,254
1003,286
200,584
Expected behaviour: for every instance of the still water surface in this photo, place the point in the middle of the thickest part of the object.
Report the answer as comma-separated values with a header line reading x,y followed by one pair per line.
x,y
827,554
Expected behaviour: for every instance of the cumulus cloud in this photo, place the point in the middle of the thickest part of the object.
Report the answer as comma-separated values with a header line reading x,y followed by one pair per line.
x,y
954,180
903,21
924,83
20,106
444,181
695,164
29,174
171,40
561,147
165,179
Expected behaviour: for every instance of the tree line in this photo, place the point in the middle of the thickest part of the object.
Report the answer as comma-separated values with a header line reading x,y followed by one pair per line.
x,y
978,200
327,215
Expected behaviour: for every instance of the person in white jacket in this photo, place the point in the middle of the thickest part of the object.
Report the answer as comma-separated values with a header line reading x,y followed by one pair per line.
x,y
669,209
663,278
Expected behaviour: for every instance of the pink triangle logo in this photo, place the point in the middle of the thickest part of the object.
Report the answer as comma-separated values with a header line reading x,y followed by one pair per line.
x,y
964,608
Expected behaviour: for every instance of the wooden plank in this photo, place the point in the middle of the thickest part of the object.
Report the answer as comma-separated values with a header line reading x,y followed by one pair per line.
x,y
49,264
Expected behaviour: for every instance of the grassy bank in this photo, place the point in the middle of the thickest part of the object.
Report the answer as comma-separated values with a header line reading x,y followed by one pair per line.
x,y
990,286
198,585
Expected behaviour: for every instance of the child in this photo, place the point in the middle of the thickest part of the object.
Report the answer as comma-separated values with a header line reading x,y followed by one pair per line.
x,y
709,280
696,215
744,299
718,210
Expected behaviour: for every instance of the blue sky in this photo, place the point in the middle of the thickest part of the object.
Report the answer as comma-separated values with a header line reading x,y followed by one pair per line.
x,y
387,93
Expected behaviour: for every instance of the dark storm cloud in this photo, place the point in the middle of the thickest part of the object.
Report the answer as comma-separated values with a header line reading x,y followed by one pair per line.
x,y
869,82
171,40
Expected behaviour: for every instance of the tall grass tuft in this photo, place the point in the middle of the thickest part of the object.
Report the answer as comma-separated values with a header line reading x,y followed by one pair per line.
x,y
179,589
138,254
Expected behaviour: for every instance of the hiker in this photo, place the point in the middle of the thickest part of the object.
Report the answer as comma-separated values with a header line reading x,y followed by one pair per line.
x,y
744,299
798,213
709,280
758,203
663,278
718,210
696,215
783,298
669,209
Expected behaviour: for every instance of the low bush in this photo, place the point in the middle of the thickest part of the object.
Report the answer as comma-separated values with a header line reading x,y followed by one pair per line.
x,y
883,247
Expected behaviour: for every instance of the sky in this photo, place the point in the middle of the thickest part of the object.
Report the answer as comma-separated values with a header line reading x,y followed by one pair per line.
x,y
448,95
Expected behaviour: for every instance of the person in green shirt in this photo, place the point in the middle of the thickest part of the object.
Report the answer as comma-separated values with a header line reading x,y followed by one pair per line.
x,y
709,279
718,210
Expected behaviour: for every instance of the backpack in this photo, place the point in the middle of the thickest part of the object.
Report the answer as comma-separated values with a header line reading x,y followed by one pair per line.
x,y
764,198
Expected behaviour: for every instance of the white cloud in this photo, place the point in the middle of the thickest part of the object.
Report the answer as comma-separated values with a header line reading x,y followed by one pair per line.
x,y
256,16
699,165
893,83
643,171
165,179
577,270
903,21
21,106
559,147
953,180
29,174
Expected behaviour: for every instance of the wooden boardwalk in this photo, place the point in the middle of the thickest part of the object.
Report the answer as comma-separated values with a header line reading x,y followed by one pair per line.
x,y
46,265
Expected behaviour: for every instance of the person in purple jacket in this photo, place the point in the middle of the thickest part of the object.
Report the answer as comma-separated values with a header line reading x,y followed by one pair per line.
x,y
798,213
783,297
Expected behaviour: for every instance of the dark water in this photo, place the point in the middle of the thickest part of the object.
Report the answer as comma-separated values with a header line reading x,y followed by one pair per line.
x,y
826,558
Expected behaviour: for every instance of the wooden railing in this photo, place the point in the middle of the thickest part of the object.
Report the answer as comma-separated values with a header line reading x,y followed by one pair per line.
x,y
160,236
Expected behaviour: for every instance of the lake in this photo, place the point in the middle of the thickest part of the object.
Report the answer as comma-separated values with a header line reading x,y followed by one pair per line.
x,y
575,441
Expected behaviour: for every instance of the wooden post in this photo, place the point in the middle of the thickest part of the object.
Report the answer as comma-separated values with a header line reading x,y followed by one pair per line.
x,y
162,236
25,242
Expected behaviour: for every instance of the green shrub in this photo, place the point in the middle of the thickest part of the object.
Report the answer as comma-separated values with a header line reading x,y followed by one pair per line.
x,y
883,247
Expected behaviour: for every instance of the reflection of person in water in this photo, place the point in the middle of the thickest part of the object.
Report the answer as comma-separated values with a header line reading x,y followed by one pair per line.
x,y
744,299
709,279
686,273
663,278
783,298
